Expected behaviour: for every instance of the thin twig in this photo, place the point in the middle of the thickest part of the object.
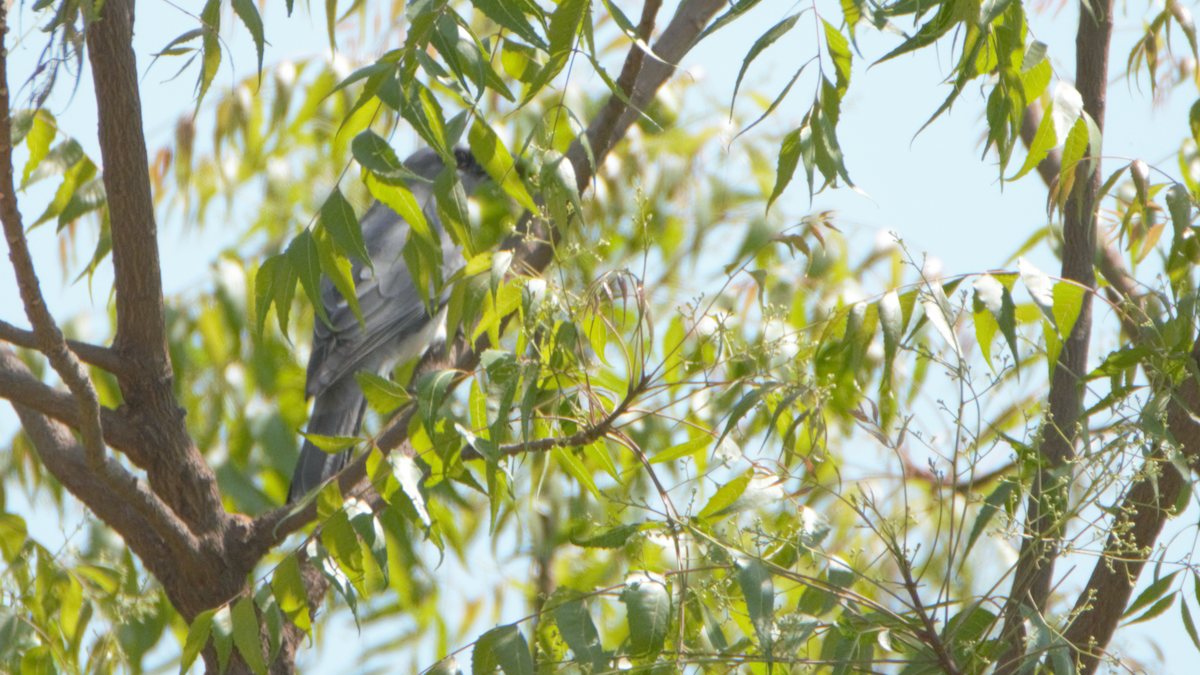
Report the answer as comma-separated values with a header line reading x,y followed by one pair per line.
x,y
101,357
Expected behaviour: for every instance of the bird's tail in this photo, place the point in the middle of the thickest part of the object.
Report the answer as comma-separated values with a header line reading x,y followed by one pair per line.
x,y
337,411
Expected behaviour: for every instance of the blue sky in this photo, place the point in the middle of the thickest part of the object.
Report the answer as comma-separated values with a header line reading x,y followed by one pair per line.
x,y
933,188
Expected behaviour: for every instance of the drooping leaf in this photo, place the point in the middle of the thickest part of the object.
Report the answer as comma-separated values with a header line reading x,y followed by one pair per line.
x,y
577,629
248,13
648,613
246,634
765,40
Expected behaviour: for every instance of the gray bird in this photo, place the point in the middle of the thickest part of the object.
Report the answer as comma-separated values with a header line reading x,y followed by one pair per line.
x,y
398,326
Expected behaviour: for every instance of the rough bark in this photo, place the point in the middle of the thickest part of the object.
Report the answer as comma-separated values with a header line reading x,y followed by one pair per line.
x,y
1035,566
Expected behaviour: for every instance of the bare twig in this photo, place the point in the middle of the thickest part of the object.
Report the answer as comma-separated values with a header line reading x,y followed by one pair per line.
x,y
49,337
101,357
19,385
928,634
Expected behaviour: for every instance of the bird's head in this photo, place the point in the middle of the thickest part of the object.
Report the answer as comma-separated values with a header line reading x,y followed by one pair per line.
x,y
428,164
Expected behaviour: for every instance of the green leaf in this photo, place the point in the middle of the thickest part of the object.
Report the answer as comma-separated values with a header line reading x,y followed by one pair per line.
x,y
1188,624
1068,301
274,283
614,538
222,636
996,298
765,40
401,200
758,589
1045,139
13,532
331,21
337,216
739,8
684,449
1159,608
579,632
383,395
374,154
509,14
727,494
197,637
789,157
505,646
431,389
991,504
305,263
331,444
839,53
648,613
564,26
744,406
41,133
494,157
211,18
246,634
248,13
1153,592
1194,121
570,463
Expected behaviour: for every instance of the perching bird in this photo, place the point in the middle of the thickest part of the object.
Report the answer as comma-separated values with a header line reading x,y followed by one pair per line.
x,y
397,326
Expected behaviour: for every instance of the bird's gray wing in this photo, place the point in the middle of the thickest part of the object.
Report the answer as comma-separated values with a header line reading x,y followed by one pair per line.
x,y
391,307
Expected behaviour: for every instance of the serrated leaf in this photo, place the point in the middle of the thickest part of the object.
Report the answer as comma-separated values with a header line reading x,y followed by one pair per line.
x,y
789,157
510,15
744,406
567,460
1159,608
337,216
211,18
1068,301
1153,592
274,283
401,200
614,538
331,444
579,632
647,612
765,40
495,159
41,133
684,449
383,395
246,635
1188,624
727,494
512,651
758,589
1045,139
305,262
248,13
197,637
374,154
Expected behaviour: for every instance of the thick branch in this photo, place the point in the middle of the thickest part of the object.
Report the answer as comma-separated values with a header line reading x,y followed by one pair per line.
x,y
676,39
49,338
101,357
177,472
111,492
1035,566
141,325
19,385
